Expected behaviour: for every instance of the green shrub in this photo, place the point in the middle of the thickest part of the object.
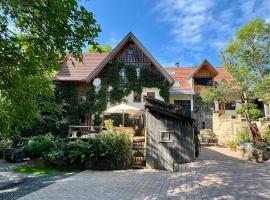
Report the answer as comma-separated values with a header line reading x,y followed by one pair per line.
x,y
243,136
117,144
56,154
39,146
232,144
112,150
77,151
108,124
266,137
254,113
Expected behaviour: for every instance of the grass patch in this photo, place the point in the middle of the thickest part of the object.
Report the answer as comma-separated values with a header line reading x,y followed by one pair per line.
x,y
37,171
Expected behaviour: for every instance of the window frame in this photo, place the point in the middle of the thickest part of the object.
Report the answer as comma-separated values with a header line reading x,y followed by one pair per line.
x,y
231,104
199,80
150,95
165,139
122,77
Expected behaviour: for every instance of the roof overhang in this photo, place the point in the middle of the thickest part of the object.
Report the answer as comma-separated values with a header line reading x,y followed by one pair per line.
x,y
173,91
209,67
129,37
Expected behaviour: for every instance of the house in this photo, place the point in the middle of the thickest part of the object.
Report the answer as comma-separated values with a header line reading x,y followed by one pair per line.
x,y
130,51
186,82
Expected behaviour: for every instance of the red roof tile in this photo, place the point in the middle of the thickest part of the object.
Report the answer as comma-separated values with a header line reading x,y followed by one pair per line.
x,y
182,73
81,70
222,74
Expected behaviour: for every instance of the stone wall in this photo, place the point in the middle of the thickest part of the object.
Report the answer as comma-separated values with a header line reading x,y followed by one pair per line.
x,y
227,126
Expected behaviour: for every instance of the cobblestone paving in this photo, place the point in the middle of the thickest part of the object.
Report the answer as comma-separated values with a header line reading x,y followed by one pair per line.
x,y
14,185
215,175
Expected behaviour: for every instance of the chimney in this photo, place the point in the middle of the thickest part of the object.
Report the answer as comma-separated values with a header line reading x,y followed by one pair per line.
x,y
177,64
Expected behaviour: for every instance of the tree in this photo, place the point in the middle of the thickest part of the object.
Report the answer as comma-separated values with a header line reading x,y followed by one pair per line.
x,y
99,48
220,93
35,36
247,59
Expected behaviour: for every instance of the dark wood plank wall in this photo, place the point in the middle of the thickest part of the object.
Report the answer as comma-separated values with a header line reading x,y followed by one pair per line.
x,y
205,71
131,54
180,148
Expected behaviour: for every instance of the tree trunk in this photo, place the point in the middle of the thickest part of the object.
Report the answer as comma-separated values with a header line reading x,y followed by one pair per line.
x,y
247,115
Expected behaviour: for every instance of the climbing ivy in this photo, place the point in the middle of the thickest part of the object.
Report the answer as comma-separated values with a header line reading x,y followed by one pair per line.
x,y
111,90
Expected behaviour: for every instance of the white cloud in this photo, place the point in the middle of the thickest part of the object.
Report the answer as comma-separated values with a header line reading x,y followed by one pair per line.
x,y
203,27
256,8
187,18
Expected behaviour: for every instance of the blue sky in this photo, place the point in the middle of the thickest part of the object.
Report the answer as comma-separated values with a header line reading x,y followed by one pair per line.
x,y
184,31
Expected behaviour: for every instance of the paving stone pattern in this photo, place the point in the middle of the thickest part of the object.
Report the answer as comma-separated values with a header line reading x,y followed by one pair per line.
x,y
215,175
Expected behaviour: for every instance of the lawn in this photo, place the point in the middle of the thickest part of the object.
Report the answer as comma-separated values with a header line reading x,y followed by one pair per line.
x,y
37,171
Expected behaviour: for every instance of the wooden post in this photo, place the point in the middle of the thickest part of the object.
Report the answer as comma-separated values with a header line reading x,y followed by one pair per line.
x,y
123,119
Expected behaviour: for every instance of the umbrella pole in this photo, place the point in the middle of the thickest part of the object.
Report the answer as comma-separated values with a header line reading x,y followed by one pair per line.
x,y
123,119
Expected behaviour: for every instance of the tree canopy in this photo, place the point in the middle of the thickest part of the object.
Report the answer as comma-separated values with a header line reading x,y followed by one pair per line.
x,y
35,36
220,93
99,48
247,59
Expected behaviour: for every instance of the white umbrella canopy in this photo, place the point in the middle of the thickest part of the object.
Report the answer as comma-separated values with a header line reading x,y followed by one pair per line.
x,y
123,108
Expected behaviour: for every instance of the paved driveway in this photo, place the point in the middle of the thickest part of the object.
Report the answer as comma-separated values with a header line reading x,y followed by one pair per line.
x,y
216,175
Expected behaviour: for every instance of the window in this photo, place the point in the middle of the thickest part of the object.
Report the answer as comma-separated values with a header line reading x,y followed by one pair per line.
x,y
122,74
164,136
185,104
151,94
83,98
138,71
176,84
137,97
230,106
203,125
172,73
203,81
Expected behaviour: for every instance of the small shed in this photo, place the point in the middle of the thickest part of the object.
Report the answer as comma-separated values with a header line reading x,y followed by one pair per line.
x,y
169,135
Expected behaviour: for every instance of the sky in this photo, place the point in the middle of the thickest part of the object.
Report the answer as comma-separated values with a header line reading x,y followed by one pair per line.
x,y
184,31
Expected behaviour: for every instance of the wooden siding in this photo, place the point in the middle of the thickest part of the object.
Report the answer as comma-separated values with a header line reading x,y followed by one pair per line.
x,y
131,54
165,155
204,72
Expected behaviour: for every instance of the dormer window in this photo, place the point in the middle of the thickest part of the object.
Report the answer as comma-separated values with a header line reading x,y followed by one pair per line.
x,y
176,84
172,73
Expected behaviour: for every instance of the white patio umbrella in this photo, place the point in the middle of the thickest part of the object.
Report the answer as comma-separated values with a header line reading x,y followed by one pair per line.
x,y
123,108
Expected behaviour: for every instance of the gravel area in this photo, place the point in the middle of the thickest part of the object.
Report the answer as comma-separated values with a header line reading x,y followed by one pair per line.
x,y
14,185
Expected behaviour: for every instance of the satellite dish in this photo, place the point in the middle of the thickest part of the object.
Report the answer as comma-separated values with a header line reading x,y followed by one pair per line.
x,y
97,82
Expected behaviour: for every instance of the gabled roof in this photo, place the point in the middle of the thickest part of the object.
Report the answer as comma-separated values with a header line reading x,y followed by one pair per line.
x,y
209,67
80,70
182,75
93,63
129,37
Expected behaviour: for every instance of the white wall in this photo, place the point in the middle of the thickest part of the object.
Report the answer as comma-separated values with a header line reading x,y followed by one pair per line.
x,y
140,105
